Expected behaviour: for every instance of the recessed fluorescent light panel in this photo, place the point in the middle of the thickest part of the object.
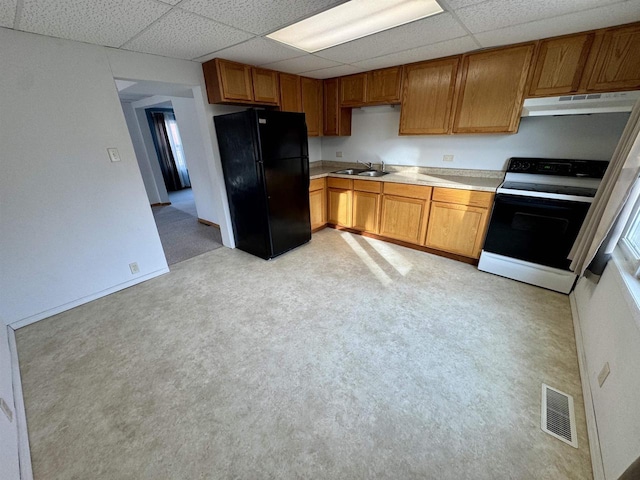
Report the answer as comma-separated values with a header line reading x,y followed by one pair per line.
x,y
352,20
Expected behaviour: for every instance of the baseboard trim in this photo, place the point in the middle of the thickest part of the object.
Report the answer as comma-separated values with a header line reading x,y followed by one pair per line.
x,y
208,223
81,301
162,204
24,450
592,427
440,253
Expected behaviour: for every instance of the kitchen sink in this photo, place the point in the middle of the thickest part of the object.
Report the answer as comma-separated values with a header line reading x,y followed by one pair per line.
x,y
350,171
361,173
372,173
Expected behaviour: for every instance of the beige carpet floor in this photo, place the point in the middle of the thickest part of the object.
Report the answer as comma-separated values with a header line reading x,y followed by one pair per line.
x,y
347,358
181,234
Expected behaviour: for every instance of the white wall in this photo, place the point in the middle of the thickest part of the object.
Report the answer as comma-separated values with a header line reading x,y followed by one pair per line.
x,y
9,461
71,220
315,149
374,137
610,320
144,162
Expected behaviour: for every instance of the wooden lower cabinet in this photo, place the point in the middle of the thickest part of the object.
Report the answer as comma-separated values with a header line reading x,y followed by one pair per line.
x,y
366,211
339,201
404,218
458,220
318,203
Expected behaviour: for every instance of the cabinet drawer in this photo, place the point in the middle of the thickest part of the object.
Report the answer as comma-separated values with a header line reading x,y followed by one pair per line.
x,y
411,191
367,186
463,197
316,184
345,183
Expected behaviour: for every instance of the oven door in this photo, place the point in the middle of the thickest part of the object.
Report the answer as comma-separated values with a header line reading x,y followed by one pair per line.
x,y
537,230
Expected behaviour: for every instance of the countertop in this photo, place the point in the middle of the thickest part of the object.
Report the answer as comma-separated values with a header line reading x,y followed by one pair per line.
x,y
482,180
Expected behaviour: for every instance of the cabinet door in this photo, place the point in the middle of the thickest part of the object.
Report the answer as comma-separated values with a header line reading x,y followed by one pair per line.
x,y
353,90
404,218
318,208
290,93
617,65
384,86
491,90
457,229
560,64
337,121
228,81
312,105
427,97
366,211
339,207
265,86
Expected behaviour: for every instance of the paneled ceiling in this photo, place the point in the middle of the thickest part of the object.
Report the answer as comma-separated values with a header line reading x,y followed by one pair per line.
x,y
235,29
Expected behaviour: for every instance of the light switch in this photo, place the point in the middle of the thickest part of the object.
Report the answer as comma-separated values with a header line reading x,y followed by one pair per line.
x,y
113,154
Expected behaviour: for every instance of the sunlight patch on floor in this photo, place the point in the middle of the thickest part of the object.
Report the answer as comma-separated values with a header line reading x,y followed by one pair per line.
x,y
367,260
395,259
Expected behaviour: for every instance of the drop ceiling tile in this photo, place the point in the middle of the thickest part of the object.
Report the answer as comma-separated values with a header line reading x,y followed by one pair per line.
x,y
495,14
182,34
333,71
415,34
107,22
258,16
170,2
302,64
602,17
437,50
456,4
257,51
7,12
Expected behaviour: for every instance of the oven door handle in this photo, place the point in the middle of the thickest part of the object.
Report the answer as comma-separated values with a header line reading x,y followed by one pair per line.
x,y
509,199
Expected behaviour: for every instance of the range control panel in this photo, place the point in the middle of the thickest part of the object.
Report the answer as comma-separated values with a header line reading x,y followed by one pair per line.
x,y
559,167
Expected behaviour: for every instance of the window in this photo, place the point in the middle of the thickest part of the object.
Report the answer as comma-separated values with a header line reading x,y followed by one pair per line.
x,y
630,241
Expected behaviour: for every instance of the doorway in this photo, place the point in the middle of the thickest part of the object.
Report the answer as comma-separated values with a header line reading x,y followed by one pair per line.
x,y
169,149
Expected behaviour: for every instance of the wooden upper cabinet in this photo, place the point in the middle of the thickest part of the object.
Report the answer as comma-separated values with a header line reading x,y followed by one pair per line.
x,y
617,64
228,82
290,93
560,64
336,120
265,86
384,86
312,104
353,90
491,90
427,98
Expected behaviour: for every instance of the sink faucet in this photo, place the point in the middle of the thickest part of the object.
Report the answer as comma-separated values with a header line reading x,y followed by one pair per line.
x,y
382,165
369,165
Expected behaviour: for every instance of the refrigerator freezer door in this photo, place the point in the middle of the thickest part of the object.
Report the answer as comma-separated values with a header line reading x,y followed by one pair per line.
x,y
282,135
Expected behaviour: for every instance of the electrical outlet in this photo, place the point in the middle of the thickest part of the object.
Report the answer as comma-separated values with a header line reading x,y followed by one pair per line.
x,y
114,155
339,154
604,373
447,158
134,268
4,406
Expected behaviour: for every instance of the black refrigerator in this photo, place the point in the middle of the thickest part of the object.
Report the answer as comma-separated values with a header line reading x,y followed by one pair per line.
x,y
265,160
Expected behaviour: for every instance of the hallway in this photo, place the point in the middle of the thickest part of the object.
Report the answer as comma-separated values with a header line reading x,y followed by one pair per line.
x,y
182,236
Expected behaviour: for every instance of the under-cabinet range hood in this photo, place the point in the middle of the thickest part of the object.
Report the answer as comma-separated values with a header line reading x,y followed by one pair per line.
x,y
580,104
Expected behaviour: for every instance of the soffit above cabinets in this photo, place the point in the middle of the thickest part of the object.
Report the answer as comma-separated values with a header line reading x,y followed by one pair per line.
x,y
235,29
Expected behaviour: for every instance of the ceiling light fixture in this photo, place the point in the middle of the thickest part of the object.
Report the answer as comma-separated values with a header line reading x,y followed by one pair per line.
x,y
352,20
